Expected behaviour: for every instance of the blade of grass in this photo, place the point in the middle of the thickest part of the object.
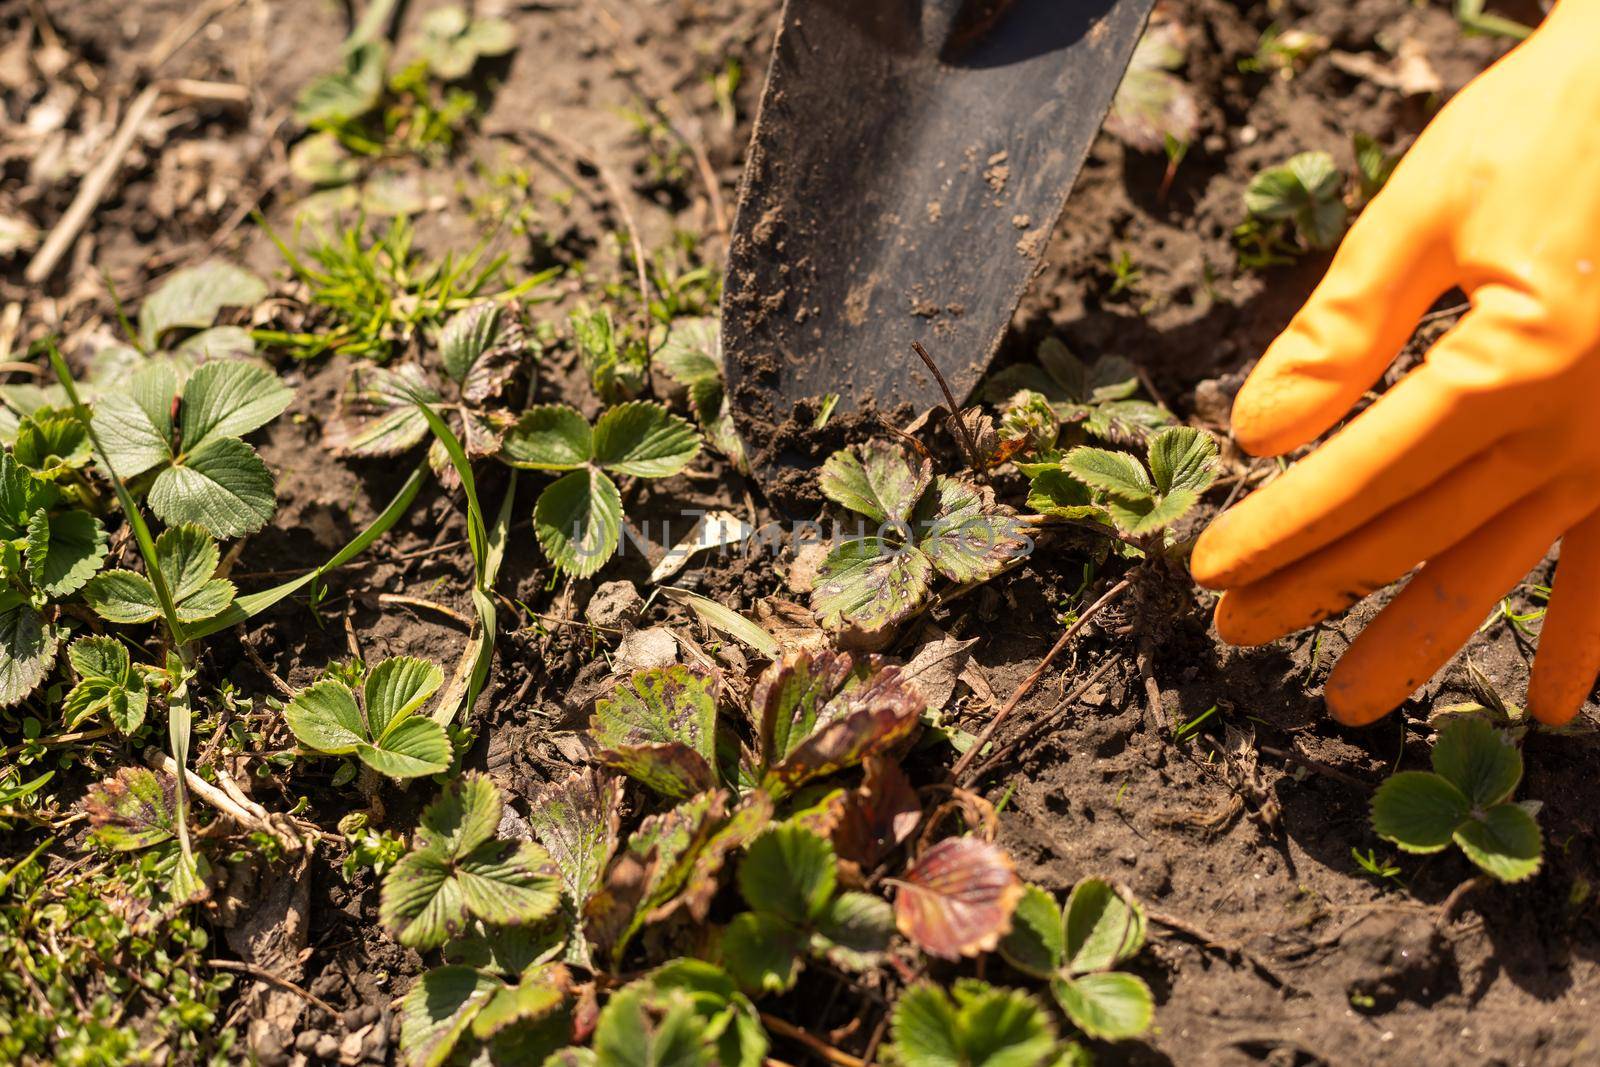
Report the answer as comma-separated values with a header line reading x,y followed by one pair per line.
x,y
473,669
247,607
726,620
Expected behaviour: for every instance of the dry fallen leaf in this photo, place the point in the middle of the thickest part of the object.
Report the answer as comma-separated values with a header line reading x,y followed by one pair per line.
x,y
1410,72
714,530
958,898
936,665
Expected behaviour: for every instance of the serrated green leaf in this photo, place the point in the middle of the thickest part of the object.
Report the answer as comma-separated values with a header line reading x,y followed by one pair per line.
x,y
578,521
1183,458
550,437
457,871
925,1028
21,495
452,41
466,337
134,810
788,698
1116,473
660,727
395,689
208,601
219,342
1103,926
378,413
636,1029
416,747
645,440
74,548
122,597
107,683
229,398
1148,516
324,716
867,585
187,557
191,298
439,1009
1109,1006
536,996
878,480
1059,495
983,1027
967,536
875,712
223,487
691,355
1482,762
1419,811
27,651
762,952
1505,841
1037,943
52,443
135,427
788,872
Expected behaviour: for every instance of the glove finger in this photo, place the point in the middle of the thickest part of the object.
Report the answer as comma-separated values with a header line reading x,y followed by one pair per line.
x,y
1568,659
1327,582
1390,268
1421,429
1441,607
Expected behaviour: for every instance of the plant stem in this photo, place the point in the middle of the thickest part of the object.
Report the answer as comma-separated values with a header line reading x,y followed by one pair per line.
x,y
821,1048
963,431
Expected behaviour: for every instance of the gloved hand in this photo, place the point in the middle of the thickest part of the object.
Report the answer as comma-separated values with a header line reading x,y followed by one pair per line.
x,y
1481,458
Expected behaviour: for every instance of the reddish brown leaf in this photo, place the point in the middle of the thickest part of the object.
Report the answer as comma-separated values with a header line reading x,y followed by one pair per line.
x,y
748,819
958,898
878,816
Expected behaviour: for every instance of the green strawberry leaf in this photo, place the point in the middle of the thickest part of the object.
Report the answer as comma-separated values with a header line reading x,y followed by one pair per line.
x,y
222,487
1116,473
643,439
438,1011
853,931
229,398
134,426
969,537
1037,943
27,649
868,585
660,727
550,437
878,480
64,552
191,298
1109,1006
1103,926
790,873
1183,458
762,952
1482,762
1419,811
578,521
107,683
1504,841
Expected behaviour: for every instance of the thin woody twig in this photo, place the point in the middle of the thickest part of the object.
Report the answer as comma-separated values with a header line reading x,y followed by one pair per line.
x,y
816,1045
263,975
1049,720
1038,672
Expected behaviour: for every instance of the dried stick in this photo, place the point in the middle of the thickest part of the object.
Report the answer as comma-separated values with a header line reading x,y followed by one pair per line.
x,y
1313,765
821,1048
263,975
1022,690
963,431
1051,719
418,604
93,189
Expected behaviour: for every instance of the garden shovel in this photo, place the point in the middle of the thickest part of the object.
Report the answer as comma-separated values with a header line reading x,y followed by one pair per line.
x,y
909,162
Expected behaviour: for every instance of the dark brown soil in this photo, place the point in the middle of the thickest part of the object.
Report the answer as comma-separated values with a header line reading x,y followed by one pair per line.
x,y
1279,949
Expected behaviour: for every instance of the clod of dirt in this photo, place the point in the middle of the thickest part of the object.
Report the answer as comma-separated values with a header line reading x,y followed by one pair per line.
x,y
614,606
655,647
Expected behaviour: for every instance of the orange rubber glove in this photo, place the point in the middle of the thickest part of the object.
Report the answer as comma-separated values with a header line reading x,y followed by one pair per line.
x,y
1481,458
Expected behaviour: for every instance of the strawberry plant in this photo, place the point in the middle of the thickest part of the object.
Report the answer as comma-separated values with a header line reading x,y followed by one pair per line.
x,y
977,1025
615,364
49,550
459,869
481,355
869,583
1305,193
1141,499
1100,398
1075,948
386,731
578,517
1465,800
182,438
186,559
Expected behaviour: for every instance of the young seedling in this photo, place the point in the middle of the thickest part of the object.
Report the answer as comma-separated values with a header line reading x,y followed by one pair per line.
x,y
1305,192
1142,503
453,41
1076,947
869,583
1100,397
385,731
189,433
481,361
976,1025
458,869
615,364
187,558
578,517
48,551
108,683
1465,799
